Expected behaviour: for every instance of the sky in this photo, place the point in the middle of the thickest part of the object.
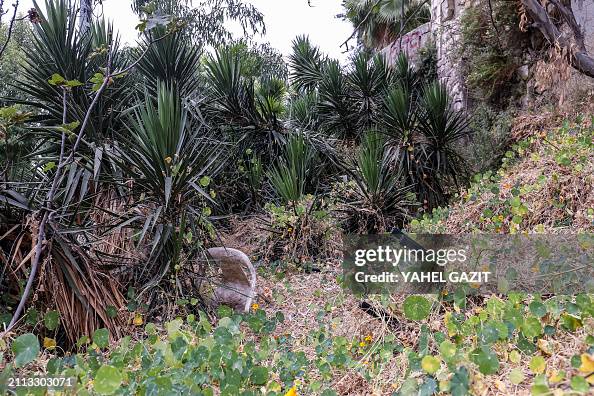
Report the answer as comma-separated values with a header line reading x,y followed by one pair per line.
x,y
284,19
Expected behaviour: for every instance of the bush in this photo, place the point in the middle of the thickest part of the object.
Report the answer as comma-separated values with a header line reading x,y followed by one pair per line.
x,y
377,199
490,138
301,231
290,176
490,46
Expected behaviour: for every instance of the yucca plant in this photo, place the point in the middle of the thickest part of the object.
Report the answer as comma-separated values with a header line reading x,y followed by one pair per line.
x,y
303,112
443,128
291,175
171,158
168,57
348,98
369,78
337,108
380,199
250,117
419,121
59,49
307,63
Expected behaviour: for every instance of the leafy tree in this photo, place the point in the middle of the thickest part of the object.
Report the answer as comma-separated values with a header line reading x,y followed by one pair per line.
x,y
206,19
11,61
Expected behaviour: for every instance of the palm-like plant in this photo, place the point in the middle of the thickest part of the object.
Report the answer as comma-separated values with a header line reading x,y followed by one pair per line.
x,y
168,57
380,22
336,108
58,48
248,112
171,158
291,175
419,121
307,63
380,199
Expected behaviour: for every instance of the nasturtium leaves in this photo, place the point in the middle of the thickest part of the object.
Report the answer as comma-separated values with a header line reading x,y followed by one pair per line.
x,y
51,320
107,380
447,349
459,385
25,349
488,334
204,181
101,338
586,363
430,364
540,390
570,322
516,376
538,309
579,384
416,308
32,316
537,364
531,327
259,375
485,359
428,388
514,356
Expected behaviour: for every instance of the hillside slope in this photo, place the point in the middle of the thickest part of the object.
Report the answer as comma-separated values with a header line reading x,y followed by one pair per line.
x,y
545,184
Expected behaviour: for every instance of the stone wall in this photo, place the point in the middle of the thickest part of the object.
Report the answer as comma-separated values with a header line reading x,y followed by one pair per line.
x,y
411,43
445,26
444,30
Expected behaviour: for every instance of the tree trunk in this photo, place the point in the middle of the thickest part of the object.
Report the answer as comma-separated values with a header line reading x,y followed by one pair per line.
x,y
572,42
85,15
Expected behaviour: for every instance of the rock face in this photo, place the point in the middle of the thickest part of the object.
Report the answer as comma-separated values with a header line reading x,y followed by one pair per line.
x,y
238,284
444,29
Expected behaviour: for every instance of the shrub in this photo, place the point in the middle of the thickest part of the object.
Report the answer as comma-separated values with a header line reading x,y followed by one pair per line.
x,y
490,138
377,199
490,45
290,176
301,231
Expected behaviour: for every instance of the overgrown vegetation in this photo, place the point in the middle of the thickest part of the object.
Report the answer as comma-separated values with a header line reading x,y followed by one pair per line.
x,y
490,47
121,167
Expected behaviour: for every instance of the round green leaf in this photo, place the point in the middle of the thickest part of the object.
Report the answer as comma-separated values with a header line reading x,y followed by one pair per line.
x,y
486,360
460,383
579,384
430,364
416,308
540,389
538,309
25,349
101,338
531,327
259,375
51,320
447,349
537,364
107,380
516,376
204,181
